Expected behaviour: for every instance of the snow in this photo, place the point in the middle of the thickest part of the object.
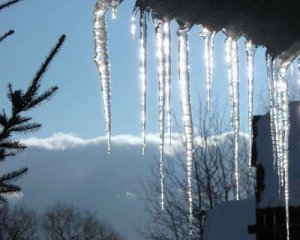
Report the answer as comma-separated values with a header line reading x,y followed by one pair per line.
x,y
230,220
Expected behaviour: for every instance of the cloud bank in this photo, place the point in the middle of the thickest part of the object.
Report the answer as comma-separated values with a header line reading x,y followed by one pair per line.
x,y
67,168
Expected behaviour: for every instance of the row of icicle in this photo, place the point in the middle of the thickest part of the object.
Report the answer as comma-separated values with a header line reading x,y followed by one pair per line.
x,y
277,88
279,124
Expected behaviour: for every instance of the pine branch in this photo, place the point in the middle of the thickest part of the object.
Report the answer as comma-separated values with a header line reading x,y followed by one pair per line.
x,y
16,123
21,102
42,98
9,189
8,4
13,176
35,84
12,145
7,34
26,128
6,183
3,118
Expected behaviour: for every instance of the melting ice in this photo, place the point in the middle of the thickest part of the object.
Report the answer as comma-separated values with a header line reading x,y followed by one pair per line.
x,y
102,62
232,59
167,57
160,37
143,74
184,81
208,37
250,51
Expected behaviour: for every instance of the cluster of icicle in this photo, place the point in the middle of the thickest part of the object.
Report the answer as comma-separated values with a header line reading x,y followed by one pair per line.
x,y
279,119
278,89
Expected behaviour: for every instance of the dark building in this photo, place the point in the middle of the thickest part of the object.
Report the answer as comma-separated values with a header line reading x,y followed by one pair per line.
x,y
270,201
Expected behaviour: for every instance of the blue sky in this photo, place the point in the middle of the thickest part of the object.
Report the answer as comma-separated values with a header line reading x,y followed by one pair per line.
x,y
77,108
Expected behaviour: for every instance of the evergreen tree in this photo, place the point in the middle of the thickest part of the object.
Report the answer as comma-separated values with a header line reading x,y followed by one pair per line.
x,y
15,122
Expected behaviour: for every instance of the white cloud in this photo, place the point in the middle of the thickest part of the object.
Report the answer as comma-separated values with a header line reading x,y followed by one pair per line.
x,y
62,141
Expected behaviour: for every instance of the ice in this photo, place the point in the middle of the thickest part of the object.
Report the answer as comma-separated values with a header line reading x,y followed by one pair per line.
x,y
285,135
143,74
208,37
114,4
236,112
232,59
133,23
298,76
184,79
273,110
102,62
167,56
279,124
228,57
160,37
250,51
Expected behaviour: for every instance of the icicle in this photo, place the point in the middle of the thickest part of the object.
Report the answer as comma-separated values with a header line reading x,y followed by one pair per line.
x,y
211,62
114,4
208,37
285,137
231,55
292,70
143,74
186,110
279,111
228,59
277,95
232,59
298,76
273,110
167,56
280,86
236,112
133,23
102,62
159,35
250,50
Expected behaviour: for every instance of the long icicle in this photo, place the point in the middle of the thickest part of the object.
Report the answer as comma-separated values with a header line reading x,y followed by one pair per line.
x,y
278,122
211,62
143,74
184,79
208,37
298,76
102,62
285,138
279,94
232,60
159,35
167,56
236,112
228,59
250,51
273,111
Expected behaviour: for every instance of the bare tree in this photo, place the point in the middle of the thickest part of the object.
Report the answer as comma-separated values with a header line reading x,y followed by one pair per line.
x,y
18,223
213,181
62,222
